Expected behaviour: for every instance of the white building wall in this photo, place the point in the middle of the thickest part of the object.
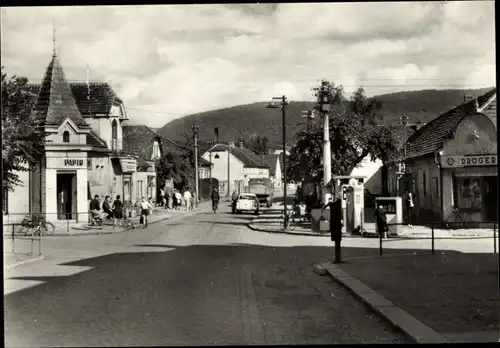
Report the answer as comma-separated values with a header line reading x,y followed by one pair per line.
x,y
372,171
219,170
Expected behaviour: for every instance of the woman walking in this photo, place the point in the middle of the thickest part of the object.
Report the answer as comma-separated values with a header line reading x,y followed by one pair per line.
x,y
117,211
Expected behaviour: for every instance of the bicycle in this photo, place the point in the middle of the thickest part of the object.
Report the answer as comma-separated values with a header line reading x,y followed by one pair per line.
x,y
456,218
292,221
35,225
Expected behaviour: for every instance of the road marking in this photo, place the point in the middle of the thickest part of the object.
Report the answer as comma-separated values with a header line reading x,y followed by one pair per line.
x,y
253,332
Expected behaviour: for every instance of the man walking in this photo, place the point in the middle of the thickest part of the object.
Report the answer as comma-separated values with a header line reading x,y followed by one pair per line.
x,y
215,199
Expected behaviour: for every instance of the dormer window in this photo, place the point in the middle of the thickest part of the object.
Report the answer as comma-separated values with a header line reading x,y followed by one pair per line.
x,y
66,137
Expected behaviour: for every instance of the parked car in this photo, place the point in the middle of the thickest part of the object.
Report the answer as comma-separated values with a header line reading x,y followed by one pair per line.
x,y
247,202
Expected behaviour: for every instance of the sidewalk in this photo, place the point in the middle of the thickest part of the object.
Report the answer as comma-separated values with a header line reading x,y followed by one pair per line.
x,y
159,214
451,297
269,221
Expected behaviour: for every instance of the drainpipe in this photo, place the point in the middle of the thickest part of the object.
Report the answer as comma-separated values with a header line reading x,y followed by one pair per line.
x,y
437,159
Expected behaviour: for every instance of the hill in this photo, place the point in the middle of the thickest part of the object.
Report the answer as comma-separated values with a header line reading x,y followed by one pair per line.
x,y
245,120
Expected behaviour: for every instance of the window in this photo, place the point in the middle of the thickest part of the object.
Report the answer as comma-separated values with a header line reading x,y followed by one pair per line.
x,y
89,164
435,188
469,192
114,135
66,137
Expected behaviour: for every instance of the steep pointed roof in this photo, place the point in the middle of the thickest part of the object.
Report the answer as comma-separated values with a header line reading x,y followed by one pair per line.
x,y
55,101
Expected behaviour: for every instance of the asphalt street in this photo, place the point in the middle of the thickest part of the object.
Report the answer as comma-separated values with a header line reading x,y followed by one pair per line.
x,y
204,280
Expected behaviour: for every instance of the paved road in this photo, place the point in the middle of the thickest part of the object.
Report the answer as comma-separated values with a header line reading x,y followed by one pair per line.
x,y
201,281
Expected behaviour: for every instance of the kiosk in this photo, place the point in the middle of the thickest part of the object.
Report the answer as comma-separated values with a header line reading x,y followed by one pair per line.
x,y
393,207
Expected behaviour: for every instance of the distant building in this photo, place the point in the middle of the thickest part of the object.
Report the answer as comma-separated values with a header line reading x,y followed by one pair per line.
x,y
85,154
452,161
243,166
274,163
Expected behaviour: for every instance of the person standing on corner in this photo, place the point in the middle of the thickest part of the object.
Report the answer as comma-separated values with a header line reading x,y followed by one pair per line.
x,y
234,198
187,198
410,205
381,222
336,224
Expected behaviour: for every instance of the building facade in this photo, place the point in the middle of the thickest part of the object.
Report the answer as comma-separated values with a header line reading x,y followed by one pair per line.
x,y
452,162
238,164
84,153
274,163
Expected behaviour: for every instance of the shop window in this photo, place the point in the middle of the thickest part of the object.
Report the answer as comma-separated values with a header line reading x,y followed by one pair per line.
x,y
435,188
469,193
66,137
5,201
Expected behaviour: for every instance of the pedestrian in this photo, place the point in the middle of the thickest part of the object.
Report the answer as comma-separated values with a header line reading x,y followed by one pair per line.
x,y
187,198
381,222
234,198
95,207
215,199
162,195
117,211
145,209
410,205
177,199
336,223
151,205
106,208
309,205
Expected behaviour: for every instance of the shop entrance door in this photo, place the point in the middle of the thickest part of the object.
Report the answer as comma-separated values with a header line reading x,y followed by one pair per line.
x,y
66,196
490,198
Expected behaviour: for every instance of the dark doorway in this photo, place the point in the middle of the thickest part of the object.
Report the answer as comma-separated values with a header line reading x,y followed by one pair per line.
x,y
490,198
65,199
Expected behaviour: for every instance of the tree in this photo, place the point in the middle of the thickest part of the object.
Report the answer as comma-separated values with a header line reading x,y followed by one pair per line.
x,y
354,135
175,165
23,136
257,144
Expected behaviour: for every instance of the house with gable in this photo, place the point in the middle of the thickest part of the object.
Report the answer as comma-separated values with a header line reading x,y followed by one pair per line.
x,y
235,163
274,163
143,142
84,154
452,161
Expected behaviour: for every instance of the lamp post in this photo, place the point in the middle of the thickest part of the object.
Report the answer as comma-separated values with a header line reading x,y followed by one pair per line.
x,y
284,102
324,102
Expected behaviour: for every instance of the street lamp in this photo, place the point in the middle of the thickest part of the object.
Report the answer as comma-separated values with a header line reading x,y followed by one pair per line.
x,y
283,103
324,102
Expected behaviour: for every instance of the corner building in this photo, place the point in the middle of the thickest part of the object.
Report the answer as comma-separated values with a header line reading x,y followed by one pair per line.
x,y
84,153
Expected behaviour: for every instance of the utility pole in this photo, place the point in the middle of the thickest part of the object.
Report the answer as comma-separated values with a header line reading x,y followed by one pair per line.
x,y
283,103
195,135
324,102
228,169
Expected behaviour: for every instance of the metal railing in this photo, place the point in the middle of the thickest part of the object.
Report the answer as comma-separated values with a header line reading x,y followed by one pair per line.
x,y
435,226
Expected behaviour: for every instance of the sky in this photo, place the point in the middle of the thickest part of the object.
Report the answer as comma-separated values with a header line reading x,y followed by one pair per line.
x,y
166,61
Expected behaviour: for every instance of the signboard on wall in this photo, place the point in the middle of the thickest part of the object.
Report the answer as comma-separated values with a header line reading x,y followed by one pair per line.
x,y
128,166
66,163
459,161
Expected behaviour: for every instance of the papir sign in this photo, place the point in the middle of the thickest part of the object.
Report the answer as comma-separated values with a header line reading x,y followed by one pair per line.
x,y
73,163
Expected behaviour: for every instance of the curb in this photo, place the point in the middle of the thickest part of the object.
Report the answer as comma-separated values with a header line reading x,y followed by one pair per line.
x,y
415,330
24,262
254,228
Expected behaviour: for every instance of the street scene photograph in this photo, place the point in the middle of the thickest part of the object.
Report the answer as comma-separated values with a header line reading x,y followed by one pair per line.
x,y
250,174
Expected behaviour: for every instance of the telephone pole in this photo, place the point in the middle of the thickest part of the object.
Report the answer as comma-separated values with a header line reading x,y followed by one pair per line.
x,y
195,135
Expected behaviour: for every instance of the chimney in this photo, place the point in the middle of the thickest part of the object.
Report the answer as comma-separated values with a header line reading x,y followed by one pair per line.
x,y
216,131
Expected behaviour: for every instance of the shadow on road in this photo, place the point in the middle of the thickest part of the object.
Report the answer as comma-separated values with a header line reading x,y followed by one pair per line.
x,y
463,284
